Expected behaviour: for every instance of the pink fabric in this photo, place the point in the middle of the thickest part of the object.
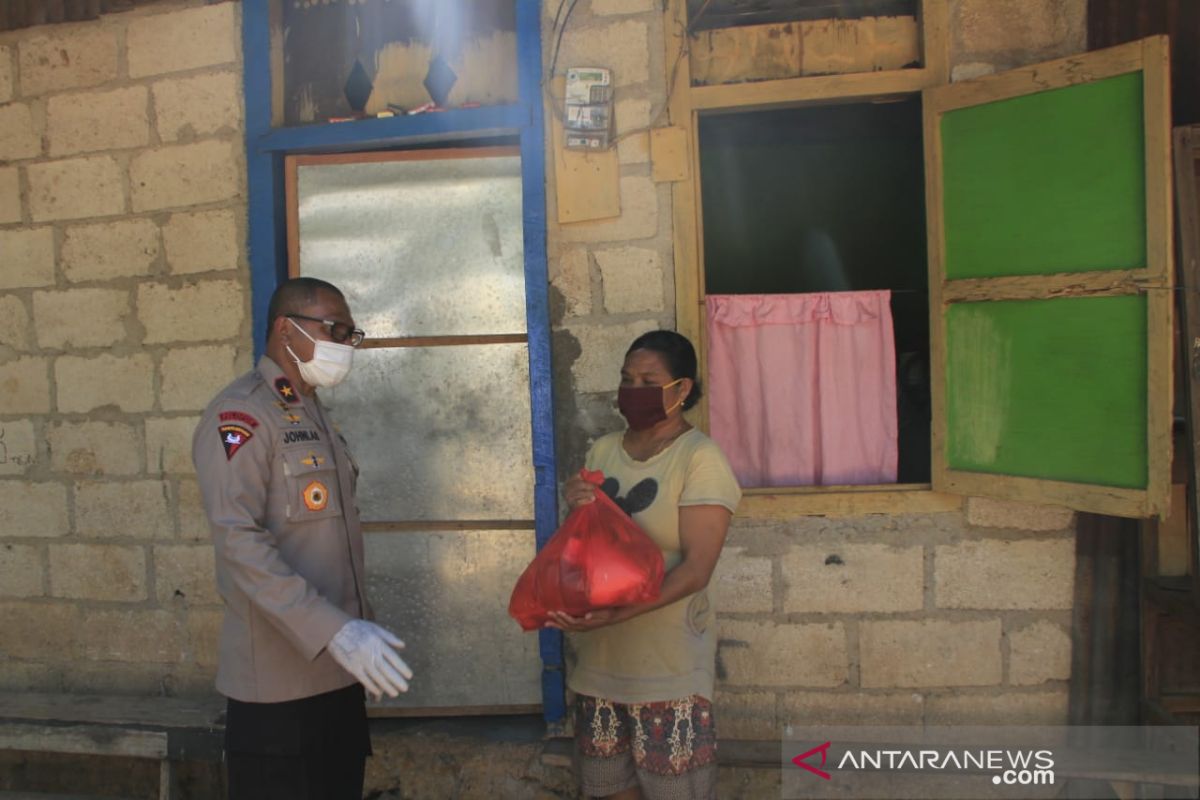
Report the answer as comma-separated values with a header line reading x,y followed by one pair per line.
x,y
802,387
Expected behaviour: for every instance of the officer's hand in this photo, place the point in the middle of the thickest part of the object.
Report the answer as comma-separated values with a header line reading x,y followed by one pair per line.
x,y
368,652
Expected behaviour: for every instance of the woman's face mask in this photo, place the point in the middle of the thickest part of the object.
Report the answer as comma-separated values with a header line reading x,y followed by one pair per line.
x,y
330,362
644,406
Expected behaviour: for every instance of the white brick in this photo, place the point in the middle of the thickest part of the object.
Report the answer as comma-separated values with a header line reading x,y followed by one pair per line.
x,y
570,274
984,512
110,250
202,242
741,582
30,629
25,386
204,635
18,447
85,384
169,445
19,137
925,653
113,120
33,509
805,709
853,578
130,637
1010,708
137,509
75,57
14,323
97,572
772,654
602,351
20,570
605,7
1039,652
6,74
80,318
28,258
207,310
638,220
10,195
746,715
192,376
179,40
632,278
193,524
624,47
94,448
186,108
186,572
75,188
1025,574
185,175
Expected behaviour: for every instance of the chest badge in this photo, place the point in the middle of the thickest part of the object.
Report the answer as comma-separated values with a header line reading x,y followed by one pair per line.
x,y
313,460
316,496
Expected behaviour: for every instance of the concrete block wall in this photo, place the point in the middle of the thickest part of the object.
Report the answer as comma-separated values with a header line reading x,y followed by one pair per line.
x,y
124,300
887,619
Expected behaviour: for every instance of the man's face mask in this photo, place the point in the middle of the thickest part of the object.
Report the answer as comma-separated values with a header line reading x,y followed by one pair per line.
x,y
643,406
330,362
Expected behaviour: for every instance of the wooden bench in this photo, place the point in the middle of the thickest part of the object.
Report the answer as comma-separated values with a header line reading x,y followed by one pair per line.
x,y
164,729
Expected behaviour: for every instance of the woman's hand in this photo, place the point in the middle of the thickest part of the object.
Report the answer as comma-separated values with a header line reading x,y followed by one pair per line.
x,y
578,492
588,622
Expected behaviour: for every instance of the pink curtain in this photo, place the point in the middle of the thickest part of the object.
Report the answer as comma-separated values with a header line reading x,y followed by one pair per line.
x,y
802,387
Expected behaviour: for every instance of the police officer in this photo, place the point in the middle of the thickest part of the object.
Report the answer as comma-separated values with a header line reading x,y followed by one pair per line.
x,y
296,648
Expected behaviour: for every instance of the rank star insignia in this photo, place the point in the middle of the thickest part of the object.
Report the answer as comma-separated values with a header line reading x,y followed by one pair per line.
x,y
284,387
233,437
313,460
292,418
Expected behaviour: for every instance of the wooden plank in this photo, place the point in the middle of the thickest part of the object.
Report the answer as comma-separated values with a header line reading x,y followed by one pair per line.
x,y
935,39
421,526
1160,266
83,740
444,341
844,501
166,712
1187,198
1030,287
1041,77
587,186
936,253
377,156
809,47
808,90
1109,500
670,156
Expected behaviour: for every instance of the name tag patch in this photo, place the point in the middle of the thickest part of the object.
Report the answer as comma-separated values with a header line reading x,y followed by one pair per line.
x,y
291,437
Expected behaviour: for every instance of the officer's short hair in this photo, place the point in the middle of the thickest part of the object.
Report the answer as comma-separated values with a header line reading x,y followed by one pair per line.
x,y
295,295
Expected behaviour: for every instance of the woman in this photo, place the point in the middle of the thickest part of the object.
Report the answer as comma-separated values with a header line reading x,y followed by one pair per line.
x,y
643,675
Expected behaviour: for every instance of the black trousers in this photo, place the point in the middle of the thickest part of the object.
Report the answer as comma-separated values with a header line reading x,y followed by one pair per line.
x,y
309,749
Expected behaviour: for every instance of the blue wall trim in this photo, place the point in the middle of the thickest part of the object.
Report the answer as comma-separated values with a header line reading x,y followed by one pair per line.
x,y
265,149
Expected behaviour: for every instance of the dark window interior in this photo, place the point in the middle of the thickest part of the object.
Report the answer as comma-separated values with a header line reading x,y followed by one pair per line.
x,y
825,199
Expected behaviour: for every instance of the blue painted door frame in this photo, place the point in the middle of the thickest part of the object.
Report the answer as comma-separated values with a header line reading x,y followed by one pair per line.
x,y
265,149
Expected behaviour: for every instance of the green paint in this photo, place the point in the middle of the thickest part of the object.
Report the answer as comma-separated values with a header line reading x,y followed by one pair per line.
x,y
1049,389
1045,183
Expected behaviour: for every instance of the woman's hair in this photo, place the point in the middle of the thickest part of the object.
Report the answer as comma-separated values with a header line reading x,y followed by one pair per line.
x,y
679,356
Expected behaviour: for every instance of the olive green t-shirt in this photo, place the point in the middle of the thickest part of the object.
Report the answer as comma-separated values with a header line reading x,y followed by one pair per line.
x,y
668,653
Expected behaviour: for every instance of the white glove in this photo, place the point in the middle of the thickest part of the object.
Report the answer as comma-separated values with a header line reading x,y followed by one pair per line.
x,y
368,652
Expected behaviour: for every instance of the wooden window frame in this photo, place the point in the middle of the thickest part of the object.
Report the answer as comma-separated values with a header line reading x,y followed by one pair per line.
x,y
686,103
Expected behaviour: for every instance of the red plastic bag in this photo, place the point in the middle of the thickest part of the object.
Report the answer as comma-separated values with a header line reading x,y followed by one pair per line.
x,y
598,558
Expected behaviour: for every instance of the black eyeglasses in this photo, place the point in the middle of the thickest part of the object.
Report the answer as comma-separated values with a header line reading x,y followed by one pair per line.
x,y
340,332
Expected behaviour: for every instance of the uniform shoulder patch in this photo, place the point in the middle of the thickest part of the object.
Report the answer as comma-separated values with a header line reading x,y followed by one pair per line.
x,y
233,436
238,416
286,390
